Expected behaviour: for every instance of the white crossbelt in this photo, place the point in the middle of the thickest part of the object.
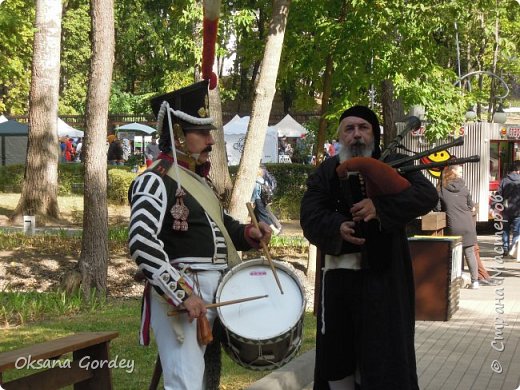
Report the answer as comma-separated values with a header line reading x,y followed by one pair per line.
x,y
346,261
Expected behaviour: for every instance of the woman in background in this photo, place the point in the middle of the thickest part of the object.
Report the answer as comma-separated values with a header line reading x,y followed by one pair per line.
x,y
455,200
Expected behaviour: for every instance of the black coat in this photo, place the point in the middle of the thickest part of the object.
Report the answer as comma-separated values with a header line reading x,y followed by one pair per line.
x,y
388,298
509,190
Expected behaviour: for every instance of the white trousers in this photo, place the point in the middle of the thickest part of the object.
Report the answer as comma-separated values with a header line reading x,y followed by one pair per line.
x,y
182,362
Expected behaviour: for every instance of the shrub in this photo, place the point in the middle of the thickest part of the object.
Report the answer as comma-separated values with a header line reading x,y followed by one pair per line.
x,y
70,177
119,181
11,178
291,179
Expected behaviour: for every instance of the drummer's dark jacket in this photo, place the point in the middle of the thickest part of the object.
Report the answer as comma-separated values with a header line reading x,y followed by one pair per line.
x,y
154,244
388,355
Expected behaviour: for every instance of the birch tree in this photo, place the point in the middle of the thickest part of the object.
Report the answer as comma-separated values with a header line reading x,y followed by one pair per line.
x,y
40,187
262,103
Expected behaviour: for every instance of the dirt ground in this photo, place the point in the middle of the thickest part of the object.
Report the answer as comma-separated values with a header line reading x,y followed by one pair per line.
x,y
42,269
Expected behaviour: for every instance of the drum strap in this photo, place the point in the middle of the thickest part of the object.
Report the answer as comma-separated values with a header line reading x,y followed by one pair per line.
x,y
205,196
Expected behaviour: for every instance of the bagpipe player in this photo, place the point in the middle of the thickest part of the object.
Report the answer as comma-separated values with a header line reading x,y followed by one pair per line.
x,y
366,304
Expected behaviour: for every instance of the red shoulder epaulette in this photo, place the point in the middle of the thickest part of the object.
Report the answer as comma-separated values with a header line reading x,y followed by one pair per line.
x,y
161,168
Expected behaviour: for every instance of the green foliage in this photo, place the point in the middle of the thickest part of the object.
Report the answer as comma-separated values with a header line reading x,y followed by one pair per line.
x,y
16,36
60,240
20,307
75,57
158,48
70,179
291,179
119,182
126,102
445,105
70,175
288,241
11,178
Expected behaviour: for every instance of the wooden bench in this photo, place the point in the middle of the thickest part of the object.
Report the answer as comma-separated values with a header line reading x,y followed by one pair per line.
x,y
83,374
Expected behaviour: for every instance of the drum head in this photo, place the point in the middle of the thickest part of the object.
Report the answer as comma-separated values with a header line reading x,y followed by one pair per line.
x,y
264,318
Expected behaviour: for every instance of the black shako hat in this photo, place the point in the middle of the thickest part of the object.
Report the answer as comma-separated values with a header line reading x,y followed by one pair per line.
x,y
370,116
190,107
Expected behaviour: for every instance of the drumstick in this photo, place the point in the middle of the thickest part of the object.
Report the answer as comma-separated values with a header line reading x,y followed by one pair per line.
x,y
175,312
264,245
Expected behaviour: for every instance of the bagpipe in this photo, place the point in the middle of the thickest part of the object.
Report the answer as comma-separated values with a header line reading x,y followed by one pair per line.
x,y
367,177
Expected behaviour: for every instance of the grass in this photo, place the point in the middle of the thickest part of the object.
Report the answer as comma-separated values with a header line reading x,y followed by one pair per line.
x,y
71,209
42,316
123,316
17,307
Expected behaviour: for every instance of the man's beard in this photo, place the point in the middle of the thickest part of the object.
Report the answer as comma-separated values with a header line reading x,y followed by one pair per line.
x,y
358,149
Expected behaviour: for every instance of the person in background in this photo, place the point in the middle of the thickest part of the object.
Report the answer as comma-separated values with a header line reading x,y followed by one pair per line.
x,y
509,193
331,149
455,200
152,149
79,146
127,149
262,194
484,278
289,149
115,153
282,145
69,149
337,146
326,149
62,150
181,238
366,312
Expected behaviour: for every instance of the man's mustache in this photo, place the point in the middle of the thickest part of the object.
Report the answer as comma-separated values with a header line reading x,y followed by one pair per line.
x,y
207,149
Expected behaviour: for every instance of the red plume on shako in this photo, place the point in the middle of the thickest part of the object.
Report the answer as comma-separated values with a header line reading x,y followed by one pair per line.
x,y
210,28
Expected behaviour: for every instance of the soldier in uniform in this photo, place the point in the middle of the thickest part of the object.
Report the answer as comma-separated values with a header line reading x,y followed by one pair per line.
x,y
180,237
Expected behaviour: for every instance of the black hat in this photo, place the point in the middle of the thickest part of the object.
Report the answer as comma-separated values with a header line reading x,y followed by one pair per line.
x,y
370,116
190,107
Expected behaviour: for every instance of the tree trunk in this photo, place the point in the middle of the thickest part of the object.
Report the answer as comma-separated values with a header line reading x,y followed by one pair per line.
x,y
325,97
219,173
40,187
93,262
387,100
262,104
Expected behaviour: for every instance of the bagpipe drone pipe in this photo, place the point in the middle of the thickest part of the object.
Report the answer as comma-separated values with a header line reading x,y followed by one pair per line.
x,y
366,177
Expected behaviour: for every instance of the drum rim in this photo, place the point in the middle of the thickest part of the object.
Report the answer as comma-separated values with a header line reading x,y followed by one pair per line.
x,y
261,261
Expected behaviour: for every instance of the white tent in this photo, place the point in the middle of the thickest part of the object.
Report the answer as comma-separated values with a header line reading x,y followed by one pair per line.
x,y
3,118
137,132
234,119
66,130
288,127
136,128
235,135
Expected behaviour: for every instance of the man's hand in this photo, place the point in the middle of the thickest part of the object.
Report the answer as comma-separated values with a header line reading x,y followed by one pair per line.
x,y
363,210
195,306
347,233
262,234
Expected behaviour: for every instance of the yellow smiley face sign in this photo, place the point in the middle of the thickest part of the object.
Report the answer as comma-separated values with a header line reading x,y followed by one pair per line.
x,y
441,156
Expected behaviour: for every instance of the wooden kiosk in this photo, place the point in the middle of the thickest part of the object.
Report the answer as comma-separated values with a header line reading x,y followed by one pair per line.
x,y
437,267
